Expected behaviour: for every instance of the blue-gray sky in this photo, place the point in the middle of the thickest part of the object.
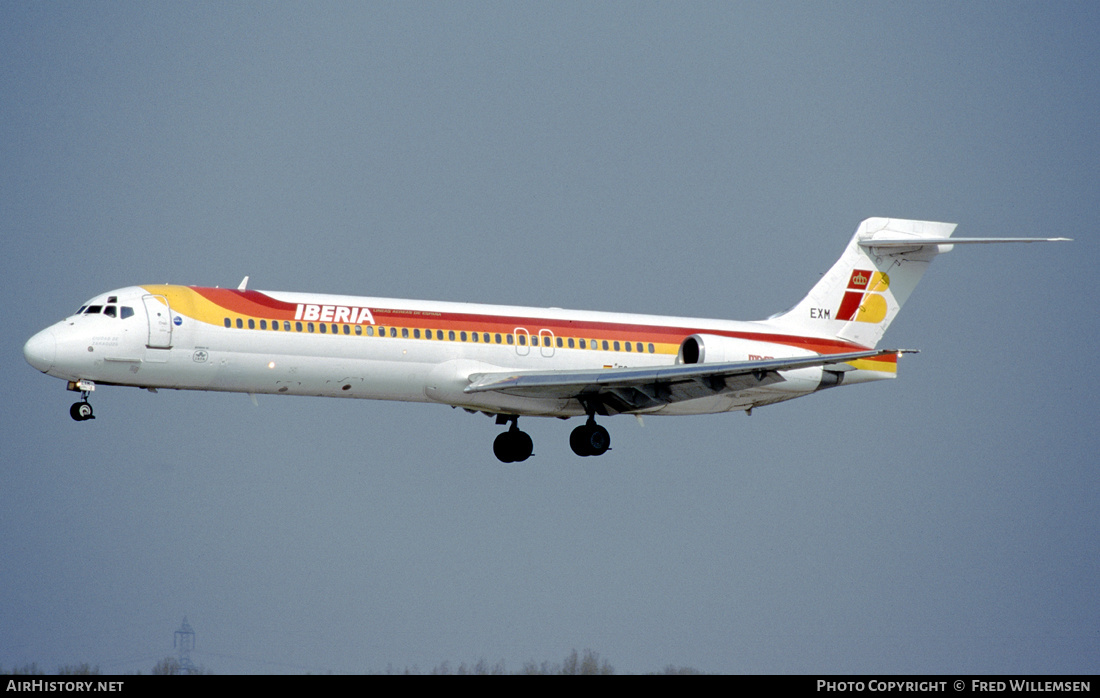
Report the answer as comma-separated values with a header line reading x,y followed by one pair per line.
x,y
703,159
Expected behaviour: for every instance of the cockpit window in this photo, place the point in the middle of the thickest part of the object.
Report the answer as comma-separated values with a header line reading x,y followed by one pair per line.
x,y
110,311
82,309
93,309
125,311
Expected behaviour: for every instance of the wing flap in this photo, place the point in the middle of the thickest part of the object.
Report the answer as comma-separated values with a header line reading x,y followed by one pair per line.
x,y
638,388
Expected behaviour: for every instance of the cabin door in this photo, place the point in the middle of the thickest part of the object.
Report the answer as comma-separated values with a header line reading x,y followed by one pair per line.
x,y
160,322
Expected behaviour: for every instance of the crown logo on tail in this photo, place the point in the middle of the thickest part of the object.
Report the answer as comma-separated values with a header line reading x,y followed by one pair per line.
x,y
864,305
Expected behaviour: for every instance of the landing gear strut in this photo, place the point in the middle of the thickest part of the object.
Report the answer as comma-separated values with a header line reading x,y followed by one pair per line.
x,y
590,439
512,446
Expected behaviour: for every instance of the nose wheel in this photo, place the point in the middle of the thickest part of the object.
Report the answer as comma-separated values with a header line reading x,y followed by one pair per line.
x,y
81,411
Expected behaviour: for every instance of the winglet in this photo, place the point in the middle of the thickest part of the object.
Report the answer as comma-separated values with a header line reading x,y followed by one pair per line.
x,y
244,284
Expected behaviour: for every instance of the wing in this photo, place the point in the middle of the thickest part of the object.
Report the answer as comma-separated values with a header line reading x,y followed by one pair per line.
x,y
628,389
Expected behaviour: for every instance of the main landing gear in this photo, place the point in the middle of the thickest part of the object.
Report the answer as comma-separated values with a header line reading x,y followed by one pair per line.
x,y
590,439
515,446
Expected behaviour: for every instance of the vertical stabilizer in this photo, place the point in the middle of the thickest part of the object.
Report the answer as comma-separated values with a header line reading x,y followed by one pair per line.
x,y
861,295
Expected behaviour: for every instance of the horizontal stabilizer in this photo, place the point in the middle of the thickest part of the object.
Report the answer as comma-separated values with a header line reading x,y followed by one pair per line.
x,y
924,242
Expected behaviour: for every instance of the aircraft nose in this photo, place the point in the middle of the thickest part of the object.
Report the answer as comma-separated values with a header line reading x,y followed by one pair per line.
x,y
41,350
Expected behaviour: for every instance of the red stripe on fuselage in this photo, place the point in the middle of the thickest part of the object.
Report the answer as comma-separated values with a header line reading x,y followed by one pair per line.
x,y
259,305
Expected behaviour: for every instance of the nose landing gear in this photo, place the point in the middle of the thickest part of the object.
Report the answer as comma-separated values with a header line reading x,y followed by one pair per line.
x,y
81,411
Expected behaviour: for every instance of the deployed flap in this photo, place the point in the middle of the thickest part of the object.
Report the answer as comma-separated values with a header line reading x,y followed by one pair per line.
x,y
652,386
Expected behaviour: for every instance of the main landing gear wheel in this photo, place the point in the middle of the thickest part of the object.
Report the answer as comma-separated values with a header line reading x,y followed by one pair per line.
x,y
590,439
513,446
81,411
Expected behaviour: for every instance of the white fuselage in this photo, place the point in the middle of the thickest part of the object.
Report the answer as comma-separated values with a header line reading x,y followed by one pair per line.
x,y
385,349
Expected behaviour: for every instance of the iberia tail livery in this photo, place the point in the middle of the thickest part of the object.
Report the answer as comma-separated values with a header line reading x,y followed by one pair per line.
x,y
504,361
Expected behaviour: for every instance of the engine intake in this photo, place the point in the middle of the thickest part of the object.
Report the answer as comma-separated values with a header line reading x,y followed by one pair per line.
x,y
716,349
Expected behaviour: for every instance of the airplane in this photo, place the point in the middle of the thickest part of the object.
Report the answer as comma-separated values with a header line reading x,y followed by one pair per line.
x,y
503,361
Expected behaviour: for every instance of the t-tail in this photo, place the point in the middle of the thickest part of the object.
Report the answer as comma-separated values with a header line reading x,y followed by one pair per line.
x,y
861,295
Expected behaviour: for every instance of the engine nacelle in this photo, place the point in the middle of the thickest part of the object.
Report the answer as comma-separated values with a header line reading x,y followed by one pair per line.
x,y
716,349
